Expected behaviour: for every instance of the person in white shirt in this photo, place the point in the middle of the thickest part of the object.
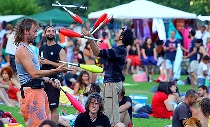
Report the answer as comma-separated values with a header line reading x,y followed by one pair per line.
x,y
202,34
203,70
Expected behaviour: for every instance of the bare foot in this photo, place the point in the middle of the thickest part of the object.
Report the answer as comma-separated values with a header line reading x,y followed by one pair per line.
x,y
125,73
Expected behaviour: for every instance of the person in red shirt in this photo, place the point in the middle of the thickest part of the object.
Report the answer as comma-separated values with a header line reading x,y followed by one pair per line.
x,y
10,84
159,108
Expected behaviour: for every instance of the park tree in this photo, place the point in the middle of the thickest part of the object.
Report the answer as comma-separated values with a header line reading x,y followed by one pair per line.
x,y
93,5
21,7
199,7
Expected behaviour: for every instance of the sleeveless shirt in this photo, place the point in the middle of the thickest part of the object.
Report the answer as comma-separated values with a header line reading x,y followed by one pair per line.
x,y
22,73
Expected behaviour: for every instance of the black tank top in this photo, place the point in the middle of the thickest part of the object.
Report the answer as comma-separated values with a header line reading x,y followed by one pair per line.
x,y
51,53
148,51
200,56
132,52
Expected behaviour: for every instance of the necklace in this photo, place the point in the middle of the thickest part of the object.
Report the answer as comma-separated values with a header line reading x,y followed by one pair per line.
x,y
93,119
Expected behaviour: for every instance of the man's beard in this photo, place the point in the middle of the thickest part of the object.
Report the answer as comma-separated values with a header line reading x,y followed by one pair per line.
x,y
50,38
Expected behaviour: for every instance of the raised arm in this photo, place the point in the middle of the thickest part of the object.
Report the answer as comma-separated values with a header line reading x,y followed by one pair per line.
x,y
95,48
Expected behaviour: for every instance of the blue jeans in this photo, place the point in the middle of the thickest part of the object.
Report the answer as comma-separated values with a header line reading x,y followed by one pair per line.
x,y
169,64
201,81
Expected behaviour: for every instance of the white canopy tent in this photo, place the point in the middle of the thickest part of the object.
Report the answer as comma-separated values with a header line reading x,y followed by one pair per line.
x,y
143,9
9,18
204,18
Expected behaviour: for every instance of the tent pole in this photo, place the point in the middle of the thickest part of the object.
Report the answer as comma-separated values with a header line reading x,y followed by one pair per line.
x,y
50,22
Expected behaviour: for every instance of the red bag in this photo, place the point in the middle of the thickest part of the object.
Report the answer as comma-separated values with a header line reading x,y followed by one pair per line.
x,y
9,115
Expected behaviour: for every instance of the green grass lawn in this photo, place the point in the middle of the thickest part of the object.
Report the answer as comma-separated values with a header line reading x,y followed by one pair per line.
x,y
138,88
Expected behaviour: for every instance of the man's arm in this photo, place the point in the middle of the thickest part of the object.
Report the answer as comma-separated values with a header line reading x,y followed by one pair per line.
x,y
192,53
93,45
23,56
165,46
125,107
184,49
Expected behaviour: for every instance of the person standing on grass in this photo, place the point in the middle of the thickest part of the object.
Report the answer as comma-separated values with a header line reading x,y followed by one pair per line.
x,y
112,79
50,53
34,105
170,48
203,70
192,69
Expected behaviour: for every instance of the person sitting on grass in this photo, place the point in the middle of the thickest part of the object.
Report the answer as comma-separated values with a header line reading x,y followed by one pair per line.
x,y
125,103
94,88
182,112
11,86
173,97
159,102
71,77
93,116
82,83
4,96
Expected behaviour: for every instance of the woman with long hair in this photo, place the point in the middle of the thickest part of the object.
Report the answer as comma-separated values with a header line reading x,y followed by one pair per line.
x,y
160,108
82,83
149,55
94,115
173,97
11,85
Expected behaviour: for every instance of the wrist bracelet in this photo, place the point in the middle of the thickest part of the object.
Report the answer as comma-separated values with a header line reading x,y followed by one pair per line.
x,y
49,80
52,79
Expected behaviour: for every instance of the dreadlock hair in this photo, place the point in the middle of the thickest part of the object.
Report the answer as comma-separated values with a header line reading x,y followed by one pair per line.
x,y
24,24
128,37
205,106
99,99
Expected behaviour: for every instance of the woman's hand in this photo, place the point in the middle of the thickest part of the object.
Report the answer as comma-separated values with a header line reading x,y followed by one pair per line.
x,y
145,57
155,58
